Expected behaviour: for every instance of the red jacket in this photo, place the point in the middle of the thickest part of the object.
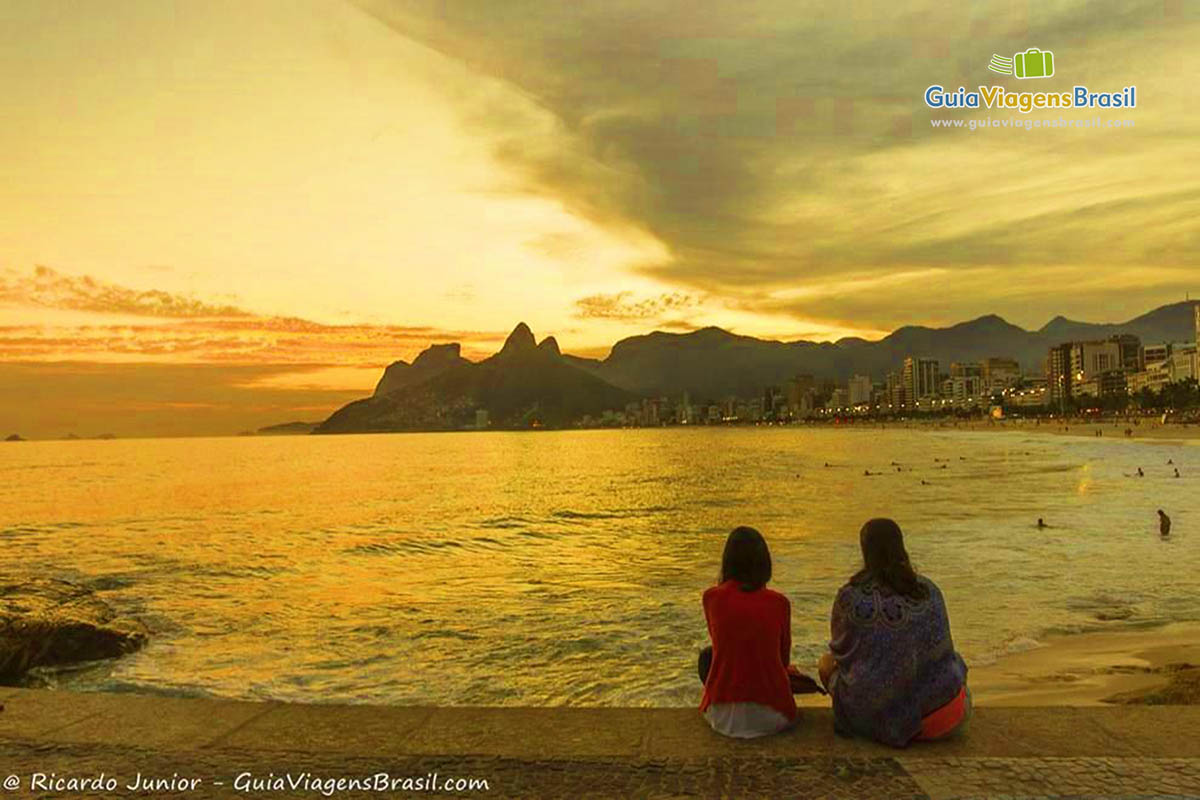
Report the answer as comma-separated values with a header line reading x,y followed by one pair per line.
x,y
751,635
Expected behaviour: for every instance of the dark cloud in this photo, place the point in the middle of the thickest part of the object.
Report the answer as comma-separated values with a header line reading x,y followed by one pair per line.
x,y
623,306
180,329
248,341
49,288
774,146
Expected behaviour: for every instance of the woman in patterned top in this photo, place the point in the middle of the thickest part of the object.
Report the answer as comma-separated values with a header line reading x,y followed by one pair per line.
x,y
891,668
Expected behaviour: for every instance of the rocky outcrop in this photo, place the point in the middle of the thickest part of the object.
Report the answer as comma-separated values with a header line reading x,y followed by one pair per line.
x,y
433,360
47,622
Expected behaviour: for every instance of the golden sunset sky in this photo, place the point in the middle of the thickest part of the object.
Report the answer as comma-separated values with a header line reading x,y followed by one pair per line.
x,y
220,214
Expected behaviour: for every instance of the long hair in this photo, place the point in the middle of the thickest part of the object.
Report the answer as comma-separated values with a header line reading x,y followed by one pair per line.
x,y
746,559
886,561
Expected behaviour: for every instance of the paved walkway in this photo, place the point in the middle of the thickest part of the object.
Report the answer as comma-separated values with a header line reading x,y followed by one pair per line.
x,y
232,749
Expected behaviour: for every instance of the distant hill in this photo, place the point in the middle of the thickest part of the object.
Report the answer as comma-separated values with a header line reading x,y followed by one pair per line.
x,y
288,429
527,382
713,363
1172,323
524,384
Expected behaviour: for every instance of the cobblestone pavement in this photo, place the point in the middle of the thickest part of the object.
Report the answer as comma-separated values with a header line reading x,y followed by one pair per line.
x,y
1056,777
901,778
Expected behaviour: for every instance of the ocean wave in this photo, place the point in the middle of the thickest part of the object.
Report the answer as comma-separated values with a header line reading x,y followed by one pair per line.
x,y
504,522
1021,644
33,530
426,546
616,513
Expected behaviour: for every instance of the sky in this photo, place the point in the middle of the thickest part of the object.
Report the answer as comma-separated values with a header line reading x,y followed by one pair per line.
x,y
264,203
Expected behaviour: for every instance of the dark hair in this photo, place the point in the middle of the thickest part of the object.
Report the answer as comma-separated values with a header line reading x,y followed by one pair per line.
x,y
746,559
886,561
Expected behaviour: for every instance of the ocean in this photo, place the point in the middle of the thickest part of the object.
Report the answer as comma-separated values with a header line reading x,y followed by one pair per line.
x,y
566,568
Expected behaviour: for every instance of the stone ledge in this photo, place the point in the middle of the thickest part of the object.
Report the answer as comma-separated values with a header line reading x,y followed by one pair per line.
x,y
169,723
1096,752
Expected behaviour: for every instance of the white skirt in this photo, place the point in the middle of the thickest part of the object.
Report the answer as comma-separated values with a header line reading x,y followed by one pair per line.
x,y
745,720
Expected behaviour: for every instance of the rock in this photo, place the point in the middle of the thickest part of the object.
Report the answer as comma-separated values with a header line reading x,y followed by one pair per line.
x,y
434,360
46,622
14,437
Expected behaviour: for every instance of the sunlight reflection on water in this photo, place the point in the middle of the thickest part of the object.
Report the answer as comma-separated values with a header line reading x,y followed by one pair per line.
x,y
566,568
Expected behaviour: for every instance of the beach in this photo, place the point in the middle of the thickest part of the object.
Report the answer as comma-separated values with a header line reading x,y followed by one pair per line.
x,y
1142,666
1141,428
1127,666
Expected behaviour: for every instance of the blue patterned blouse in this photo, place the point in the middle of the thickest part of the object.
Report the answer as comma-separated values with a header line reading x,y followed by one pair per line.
x,y
896,660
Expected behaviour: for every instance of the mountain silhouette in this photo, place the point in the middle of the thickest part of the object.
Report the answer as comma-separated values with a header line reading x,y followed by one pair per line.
x,y
527,382
523,385
435,359
712,363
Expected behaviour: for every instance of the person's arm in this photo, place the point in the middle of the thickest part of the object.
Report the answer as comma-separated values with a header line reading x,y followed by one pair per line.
x,y
841,640
706,603
785,641
841,629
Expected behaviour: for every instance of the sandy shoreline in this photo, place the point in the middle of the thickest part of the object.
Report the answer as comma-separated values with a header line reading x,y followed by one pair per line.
x,y
1146,428
1090,668
1141,666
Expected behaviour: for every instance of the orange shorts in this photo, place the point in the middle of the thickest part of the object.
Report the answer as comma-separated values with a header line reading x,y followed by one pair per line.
x,y
937,724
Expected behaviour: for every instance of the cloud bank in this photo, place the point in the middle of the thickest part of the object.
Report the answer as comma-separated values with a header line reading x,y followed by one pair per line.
x,y
776,147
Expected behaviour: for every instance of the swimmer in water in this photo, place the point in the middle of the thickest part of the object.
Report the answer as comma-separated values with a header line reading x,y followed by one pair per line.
x,y
1164,524
1140,473
1177,472
1041,523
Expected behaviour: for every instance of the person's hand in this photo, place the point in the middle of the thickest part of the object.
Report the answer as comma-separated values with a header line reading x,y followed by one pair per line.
x,y
801,683
826,667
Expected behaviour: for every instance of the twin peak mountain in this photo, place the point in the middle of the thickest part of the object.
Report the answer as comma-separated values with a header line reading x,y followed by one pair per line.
x,y
525,384
528,383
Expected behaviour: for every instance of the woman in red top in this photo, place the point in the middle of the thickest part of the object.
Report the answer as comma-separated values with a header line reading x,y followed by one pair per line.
x,y
747,681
